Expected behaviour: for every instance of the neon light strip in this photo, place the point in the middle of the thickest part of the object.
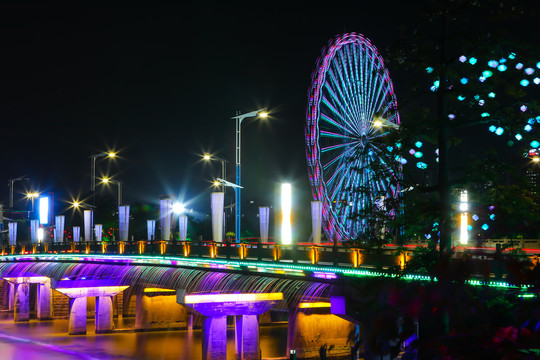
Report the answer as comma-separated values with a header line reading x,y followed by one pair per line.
x,y
225,298
314,305
151,290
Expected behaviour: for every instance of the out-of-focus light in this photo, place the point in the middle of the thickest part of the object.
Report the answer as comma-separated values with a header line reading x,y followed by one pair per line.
x,y
529,71
536,159
464,81
535,144
492,217
178,208
491,95
263,114
523,108
485,227
536,80
451,116
481,102
512,56
524,82
519,137
377,123
475,217
538,65
487,73
492,128
462,58
527,127
461,97
429,69
403,161
418,144
418,154
519,66
485,114
499,131
501,68
412,151
421,165
473,60
493,63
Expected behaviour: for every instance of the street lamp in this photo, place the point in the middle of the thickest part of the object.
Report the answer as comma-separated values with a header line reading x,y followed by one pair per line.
x,y
93,167
119,183
32,196
208,157
10,184
239,118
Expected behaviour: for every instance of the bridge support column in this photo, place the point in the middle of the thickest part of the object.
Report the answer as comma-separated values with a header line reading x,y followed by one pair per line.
x,y
104,314
214,338
44,301
11,298
247,337
77,316
22,302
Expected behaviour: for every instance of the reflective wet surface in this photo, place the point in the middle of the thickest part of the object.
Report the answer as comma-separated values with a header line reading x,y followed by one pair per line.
x,y
49,340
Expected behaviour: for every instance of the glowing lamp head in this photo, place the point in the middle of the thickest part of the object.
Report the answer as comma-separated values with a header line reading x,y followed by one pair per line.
x,y
76,204
536,159
178,208
263,114
105,180
207,157
216,183
111,154
377,123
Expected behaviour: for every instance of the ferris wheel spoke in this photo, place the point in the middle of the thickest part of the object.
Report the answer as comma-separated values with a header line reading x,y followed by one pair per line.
x,y
336,124
335,111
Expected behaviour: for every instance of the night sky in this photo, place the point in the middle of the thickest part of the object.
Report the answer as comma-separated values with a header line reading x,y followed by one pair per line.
x,y
159,84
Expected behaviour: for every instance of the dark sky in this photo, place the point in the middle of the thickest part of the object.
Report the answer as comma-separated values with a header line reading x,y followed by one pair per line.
x,y
159,83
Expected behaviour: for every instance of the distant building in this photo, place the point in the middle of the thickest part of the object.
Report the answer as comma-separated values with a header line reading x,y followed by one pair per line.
x,y
533,177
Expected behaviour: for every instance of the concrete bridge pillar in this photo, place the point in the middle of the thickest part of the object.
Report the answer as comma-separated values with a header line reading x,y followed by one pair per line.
x,y
77,316
246,309
11,297
247,337
214,340
104,314
22,302
78,292
44,301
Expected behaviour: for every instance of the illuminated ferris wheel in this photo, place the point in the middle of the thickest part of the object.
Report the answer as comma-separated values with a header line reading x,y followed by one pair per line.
x,y
351,115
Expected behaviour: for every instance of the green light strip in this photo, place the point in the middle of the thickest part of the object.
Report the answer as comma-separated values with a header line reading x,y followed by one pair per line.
x,y
290,269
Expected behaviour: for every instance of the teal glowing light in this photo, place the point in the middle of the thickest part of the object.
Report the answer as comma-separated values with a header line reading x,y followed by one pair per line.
x,y
499,131
476,97
421,165
492,216
527,127
475,217
535,144
398,145
492,128
493,63
524,82
485,227
464,80
529,71
512,56
501,68
530,121
461,97
536,80
403,161
487,73
429,69
519,66
418,144
418,154
538,65
469,227
473,60
485,114
519,137
491,94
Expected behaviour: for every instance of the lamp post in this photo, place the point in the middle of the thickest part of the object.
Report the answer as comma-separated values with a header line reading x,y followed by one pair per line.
x,y
93,171
239,118
236,188
223,162
10,184
119,183
32,196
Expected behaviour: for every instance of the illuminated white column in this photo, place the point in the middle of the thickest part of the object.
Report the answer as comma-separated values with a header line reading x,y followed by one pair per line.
x,y
216,201
464,207
286,206
34,226
182,227
88,225
76,233
104,314
99,232
59,228
151,229
12,233
165,208
123,222
316,220
264,221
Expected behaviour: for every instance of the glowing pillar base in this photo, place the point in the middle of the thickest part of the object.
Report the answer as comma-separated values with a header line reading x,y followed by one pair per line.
x,y
214,338
77,316
247,337
44,301
22,302
104,314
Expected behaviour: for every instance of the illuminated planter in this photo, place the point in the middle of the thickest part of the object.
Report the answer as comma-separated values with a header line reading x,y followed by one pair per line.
x,y
314,255
242,251
187,249
276,252
357,258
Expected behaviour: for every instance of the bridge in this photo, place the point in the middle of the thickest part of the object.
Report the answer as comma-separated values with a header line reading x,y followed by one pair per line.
x,y
187,285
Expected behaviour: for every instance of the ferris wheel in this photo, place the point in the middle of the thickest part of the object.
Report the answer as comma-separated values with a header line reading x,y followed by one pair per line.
x,y
351,152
